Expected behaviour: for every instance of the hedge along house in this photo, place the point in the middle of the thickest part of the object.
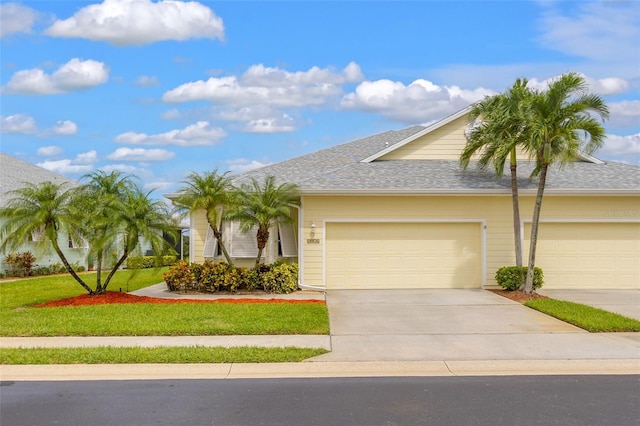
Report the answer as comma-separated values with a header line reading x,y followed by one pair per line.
x,y
14,173
395,210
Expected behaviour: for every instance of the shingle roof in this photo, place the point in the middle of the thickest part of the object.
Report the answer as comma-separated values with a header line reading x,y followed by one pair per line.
x,y
339,170
15,172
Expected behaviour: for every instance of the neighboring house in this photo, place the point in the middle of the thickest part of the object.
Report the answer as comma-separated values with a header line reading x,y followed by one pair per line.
x,y
395,210
14,173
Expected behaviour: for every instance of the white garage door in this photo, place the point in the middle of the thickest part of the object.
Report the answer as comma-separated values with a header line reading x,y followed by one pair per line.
x,y
588,255
403,255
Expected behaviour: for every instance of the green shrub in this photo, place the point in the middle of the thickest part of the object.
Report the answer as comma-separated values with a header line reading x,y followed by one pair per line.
x,y
512,277
282,278
211,277
180,277
20,264
143,262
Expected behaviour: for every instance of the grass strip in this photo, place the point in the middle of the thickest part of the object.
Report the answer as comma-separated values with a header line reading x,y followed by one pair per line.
x,y
148,319
586,317
155,355
144,319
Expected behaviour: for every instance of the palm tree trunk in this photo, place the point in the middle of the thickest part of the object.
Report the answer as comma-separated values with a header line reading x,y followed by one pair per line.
x,y
99,270
262,237
218,235
516,208
114,270
66,264
528,284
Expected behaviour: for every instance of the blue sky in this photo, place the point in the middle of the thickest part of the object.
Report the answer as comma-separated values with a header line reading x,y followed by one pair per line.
x,y
161,89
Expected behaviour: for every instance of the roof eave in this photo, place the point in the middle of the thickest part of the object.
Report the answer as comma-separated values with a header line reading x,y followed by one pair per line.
x,y
479,192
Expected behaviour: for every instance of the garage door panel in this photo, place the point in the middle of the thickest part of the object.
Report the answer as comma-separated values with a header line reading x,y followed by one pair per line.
x,y
588,255
403,255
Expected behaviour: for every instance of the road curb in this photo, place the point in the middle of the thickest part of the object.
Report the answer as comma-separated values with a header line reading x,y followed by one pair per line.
x,y
83,372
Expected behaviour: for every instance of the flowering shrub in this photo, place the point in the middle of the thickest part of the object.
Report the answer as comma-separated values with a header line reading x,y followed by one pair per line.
x,y
20,264
180,277
281,279
216,276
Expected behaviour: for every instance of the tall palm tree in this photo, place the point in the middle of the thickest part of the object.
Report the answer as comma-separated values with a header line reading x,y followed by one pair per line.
x,y
208,191
263,204
562,126
40,208
101,199
141,217
498,127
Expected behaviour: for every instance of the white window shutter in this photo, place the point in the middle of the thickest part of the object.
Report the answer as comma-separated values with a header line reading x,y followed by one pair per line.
x,y
244,244
37,234
288,244
210,244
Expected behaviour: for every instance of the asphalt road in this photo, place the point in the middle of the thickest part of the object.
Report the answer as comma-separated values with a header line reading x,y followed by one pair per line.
x,y
516,400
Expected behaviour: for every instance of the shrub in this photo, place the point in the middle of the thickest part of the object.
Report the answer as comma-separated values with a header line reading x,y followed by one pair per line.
x,y
512,277
20,264
212,275
281,279
142,262
179,277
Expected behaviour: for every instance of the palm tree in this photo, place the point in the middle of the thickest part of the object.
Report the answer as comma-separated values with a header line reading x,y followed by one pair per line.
x,y
562,126
263,205
40,208
207,191
497,129
101,198
140,218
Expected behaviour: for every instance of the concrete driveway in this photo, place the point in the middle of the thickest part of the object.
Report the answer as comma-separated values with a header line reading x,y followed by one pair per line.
x,y
442,324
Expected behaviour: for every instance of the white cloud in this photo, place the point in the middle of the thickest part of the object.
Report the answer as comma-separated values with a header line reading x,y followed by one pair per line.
x,y
138,22
49,151
172,114
147,80
87,157
24,124
602,86
625,113
124,168
199,134
18,123
240,165
140,154
16,18
83,163
268,86
622,145
74,75
260,119
419,101
606,30
65,127
159,185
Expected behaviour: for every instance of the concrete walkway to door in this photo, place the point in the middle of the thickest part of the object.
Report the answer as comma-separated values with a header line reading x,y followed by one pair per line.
x,y
443,324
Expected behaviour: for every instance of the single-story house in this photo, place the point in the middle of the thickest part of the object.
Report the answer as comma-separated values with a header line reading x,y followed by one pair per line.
x,y
14,173
396,210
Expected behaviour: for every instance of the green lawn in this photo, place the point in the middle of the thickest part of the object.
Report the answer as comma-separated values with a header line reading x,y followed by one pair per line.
x,y
586,317
18,319
164,355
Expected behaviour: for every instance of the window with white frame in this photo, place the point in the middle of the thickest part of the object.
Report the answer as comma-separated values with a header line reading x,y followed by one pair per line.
x,y
81,243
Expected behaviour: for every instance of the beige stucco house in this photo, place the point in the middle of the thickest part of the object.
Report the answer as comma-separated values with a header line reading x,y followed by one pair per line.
x,y
395,210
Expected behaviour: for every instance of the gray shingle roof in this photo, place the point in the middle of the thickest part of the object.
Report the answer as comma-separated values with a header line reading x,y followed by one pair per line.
x,y
339,170
15,172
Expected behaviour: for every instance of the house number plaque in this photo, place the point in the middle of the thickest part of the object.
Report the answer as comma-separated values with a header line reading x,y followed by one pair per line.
x,y
313,240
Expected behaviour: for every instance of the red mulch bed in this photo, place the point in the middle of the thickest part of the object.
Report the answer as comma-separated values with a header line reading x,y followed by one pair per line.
x,y
518,296
111,297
